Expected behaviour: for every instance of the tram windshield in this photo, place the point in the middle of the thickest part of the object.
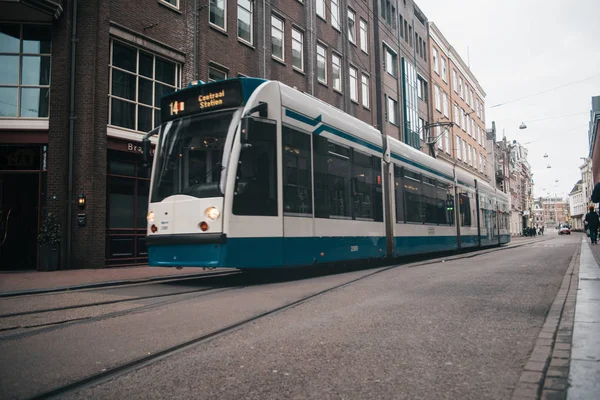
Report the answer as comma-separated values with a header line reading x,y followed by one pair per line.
x,y
189,156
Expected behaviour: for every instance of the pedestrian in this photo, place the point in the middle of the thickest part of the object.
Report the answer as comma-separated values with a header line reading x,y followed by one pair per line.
x,y
593,222
542,230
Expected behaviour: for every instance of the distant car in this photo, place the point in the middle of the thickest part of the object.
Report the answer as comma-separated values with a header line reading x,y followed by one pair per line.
x,y
564,231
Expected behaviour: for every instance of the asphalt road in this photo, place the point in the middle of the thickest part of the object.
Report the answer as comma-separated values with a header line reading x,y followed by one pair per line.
x,y
455,329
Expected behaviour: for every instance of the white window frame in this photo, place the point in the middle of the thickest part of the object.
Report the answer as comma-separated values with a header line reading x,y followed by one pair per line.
x,y
320,6
324,56
447,140
463,119
438,100
445,104
439,138
336,66
394,104
216,68
394,59
295,40
454,80
224,27
444,70
436,68
471,101
458,149
282,30
366,93
465,155
335,14
456,115
251,12
364,36
353,84
168,4
460,86
351,26
470,154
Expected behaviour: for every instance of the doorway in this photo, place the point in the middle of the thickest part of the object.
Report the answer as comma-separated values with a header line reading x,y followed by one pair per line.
x,y
19,211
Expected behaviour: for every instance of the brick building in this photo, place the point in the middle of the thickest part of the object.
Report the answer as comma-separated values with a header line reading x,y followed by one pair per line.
x,y
456,97
86,78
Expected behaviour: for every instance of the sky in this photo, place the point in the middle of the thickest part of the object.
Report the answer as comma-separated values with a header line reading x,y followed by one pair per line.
x,y
518,48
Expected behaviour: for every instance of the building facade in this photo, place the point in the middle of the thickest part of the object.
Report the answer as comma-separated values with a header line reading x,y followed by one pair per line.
x,y
555,212
457,98
577,206
594,139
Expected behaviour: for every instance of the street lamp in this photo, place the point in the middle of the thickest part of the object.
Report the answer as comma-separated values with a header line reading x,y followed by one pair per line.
x,y
545,155
522,126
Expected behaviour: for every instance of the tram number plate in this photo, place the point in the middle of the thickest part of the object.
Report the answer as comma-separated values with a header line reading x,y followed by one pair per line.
x,y
353,248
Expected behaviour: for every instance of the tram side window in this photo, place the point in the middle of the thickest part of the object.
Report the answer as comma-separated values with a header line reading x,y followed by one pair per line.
x,y
367,201
429,201
465,209
445,204
332,179
256,180
413,192
297,179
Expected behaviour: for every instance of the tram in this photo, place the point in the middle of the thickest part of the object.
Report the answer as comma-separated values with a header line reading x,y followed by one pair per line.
x,y
250,173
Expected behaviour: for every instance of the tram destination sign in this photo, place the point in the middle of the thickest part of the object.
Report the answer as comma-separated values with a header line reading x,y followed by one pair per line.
x,y
202,98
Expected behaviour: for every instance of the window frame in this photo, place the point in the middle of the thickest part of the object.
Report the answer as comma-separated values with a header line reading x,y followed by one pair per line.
x,y
436,57
301,41
251,12
335,15
351,26
350,70
364,42
154,107
19,85
282,30
365,96
168,4
217,68
394,58
221,28
394,103
324,9
337,67
320,45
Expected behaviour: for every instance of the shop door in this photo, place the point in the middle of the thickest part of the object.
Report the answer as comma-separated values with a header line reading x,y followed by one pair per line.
x,y
18,220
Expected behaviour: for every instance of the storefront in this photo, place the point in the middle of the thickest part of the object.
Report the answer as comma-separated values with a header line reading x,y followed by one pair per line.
x,y
22,203
128,184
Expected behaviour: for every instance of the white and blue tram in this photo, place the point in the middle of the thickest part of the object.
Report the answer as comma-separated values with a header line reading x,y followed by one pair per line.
x,y
250,173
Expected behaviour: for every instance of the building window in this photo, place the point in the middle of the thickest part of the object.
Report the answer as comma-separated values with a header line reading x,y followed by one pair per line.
x,y
438,100
336,72
469,156
353,84
297,49
463,118
173,3
460,87
218,13
438,137
444,72
321,8
392,111
351,26
25,70
245,20
321,64
464,151
365,90
456,115
421,128
467,93
390,61
458,152
447,141
471,100
277,42
335,14
364,36
445,104
137,82
216,74
436,69
422,88
454,81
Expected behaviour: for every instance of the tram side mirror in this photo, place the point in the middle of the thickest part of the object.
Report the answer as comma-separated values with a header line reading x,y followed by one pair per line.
x,y
146,150
245,130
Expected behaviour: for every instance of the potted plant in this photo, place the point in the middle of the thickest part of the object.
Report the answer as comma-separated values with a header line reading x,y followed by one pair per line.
x,y
49,240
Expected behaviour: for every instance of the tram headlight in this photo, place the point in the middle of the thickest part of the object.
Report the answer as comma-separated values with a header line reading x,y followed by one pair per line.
x,y
212,213
150,217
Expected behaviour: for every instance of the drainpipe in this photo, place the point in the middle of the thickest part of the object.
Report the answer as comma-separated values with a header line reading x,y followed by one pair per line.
x,y
264,29
72,118
195,40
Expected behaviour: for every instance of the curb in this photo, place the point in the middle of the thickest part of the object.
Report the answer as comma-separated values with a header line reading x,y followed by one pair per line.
x,y
194,275
104,284
546,374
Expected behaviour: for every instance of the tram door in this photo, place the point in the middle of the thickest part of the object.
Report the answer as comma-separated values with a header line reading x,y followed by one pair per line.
x,y
18,220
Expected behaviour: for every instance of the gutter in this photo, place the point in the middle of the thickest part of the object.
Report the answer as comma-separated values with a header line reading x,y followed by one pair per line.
x,y
72,118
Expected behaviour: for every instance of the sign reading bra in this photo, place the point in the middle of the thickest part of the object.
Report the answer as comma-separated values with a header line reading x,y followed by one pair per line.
x,y
202,98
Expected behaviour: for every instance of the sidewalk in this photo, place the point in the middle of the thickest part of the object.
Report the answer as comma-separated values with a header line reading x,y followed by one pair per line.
x,y
584,370
35,281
